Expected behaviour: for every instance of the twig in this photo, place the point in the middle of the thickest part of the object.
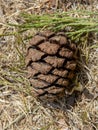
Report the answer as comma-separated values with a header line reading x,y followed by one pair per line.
x,y
18,119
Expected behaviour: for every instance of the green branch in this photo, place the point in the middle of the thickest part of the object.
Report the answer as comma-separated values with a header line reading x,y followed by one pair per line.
x,y
79,22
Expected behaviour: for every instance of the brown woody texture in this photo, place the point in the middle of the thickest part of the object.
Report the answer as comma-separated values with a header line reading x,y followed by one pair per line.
x,y
51,63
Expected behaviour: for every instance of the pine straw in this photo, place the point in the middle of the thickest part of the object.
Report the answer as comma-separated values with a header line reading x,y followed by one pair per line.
x,y
19,110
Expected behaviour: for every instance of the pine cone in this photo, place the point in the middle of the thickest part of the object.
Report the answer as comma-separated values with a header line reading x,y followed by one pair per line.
x,y
51,63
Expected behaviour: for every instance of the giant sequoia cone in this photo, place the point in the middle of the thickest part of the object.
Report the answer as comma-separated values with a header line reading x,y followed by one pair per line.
x,y
51,63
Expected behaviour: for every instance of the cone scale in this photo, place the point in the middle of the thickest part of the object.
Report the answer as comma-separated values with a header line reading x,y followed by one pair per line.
x,y
51,63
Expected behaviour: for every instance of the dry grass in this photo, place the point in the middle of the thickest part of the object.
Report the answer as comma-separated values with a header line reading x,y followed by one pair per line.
x,y
19,110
